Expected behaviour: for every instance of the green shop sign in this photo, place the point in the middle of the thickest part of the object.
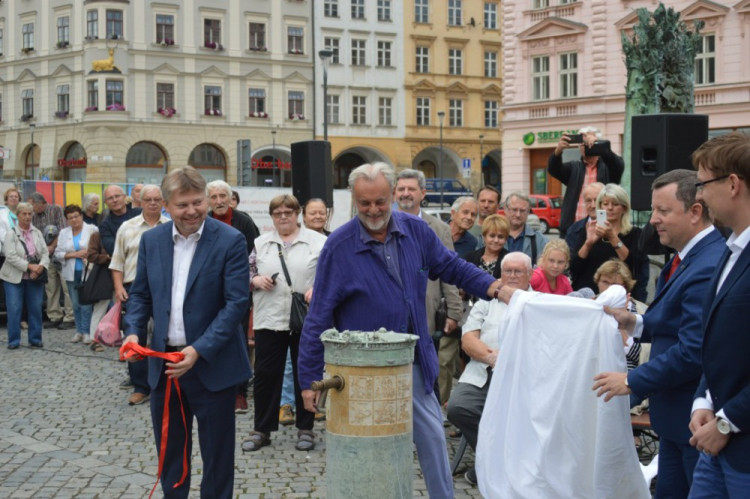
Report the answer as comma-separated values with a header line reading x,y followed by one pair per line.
x,y
552,137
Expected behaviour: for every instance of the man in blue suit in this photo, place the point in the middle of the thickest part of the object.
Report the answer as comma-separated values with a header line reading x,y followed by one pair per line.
x,y
673,325
721,411
193,279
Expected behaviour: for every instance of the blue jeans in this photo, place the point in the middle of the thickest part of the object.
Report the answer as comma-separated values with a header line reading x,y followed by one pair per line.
x,y
82,313
31,294
287,388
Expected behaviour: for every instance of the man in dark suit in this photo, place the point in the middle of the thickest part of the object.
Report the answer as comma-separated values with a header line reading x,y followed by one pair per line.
x,y
673,325
720,421
193,279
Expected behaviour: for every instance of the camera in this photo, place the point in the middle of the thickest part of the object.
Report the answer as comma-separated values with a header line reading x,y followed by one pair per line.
x,y
599,148
33,259
576,138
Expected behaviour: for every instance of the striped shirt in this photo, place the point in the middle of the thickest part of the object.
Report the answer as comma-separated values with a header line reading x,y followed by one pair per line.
x,y
125,256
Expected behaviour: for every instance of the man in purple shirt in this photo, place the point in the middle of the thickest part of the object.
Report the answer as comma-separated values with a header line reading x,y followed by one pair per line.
x,y
373,273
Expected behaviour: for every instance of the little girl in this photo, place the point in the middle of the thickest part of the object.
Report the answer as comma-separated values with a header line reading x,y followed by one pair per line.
x,y
548,277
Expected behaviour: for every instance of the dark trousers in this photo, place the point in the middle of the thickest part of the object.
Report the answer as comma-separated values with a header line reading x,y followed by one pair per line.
x,y
138,371
214,412
676,465
465,409
270,357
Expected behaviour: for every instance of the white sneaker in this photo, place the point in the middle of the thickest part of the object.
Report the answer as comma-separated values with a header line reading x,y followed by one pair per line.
x,y
76,338
86,340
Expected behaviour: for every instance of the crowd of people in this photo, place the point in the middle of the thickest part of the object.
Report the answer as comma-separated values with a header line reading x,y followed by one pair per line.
x,y
194,276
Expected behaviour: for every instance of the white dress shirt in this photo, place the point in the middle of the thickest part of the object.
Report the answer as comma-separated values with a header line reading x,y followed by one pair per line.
x,y
184,249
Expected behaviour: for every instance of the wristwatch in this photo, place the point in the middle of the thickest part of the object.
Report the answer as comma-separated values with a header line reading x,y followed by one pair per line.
x,y
619,245
723,426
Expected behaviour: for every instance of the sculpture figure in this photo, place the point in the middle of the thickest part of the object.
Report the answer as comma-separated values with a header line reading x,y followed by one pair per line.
x,y
107,64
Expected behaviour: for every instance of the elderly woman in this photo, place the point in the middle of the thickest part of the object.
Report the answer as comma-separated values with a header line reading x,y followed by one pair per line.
x,y
91,208
23,275
71,252
296,249
495,230
617,238
315,215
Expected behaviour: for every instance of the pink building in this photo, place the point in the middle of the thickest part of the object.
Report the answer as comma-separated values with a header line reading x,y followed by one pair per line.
x,y
564,69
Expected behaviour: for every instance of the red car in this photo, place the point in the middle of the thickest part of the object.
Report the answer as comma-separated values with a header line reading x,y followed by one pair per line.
x,y
547,208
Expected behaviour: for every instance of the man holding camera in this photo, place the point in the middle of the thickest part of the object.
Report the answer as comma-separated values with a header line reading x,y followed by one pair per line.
x,y
597,164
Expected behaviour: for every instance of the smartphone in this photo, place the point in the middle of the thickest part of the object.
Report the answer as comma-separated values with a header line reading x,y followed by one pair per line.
x,y
273,277
576,138
599,148
601,217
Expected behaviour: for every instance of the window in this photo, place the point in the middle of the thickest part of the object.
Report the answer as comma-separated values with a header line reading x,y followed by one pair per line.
x,y
257,101
705,61
456,112
454,12
258,36
92,93
540,77
358,52
423,111
332,44
490,113
63,31
333,109
165,29
92,24
384,10
27,101
455,57
359,110
385,111
114,24
539,4
114,95
63,99
212,100
296,104
490,64
423,60
384,54
421,11
331,8
211,33
165,96
490,15
28,36
295,39
358,9
569,75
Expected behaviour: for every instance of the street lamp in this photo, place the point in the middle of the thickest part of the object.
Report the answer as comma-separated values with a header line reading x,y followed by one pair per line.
x,y
32,127
273,159
481,159
441,118
325,56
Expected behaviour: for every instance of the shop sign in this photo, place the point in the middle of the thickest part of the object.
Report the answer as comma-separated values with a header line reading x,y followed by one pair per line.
x,y
546,137
72,163
259,164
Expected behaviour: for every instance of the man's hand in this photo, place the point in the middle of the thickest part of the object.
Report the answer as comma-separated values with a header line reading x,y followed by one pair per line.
x,y
625,320
707,438
450,325
308,295
121,295
611,384
177,369
700,417
132,338
562,144
311,400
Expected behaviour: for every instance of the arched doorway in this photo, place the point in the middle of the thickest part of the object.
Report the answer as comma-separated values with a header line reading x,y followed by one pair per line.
x,y
428,162
209,161
491,171
272,167
73,163
31,162
146,163
351,158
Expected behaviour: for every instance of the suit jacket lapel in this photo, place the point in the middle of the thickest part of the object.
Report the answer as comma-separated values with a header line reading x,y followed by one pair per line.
x,y
202,251
739,267
166,254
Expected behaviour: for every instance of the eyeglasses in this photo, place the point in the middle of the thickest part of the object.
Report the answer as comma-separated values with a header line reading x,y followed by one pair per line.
x,y
701,185
283,214
151,200
513,272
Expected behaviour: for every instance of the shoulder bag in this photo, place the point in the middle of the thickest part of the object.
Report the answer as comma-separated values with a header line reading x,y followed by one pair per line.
x,y
33,259
299,305
95,285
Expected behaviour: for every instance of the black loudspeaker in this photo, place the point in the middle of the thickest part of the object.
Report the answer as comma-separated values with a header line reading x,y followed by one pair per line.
x,y
660,143
312,174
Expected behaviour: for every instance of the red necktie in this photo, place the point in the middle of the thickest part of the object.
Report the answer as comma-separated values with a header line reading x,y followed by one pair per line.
x,y
675,263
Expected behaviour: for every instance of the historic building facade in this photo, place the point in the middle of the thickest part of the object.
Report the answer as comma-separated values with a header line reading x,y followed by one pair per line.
x,y
564,69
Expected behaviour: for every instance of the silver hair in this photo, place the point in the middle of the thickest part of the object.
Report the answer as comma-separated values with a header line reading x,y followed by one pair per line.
x,y
370,171
88,199
38,198
410,173
24,206
458,203
149,187
520,195
219,184
591,129
517,256
119,187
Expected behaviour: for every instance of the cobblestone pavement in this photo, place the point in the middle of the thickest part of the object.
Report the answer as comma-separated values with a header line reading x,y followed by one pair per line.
x,y
66,430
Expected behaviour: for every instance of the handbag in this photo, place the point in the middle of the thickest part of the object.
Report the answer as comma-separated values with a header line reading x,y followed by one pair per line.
x,y
41,278
108,330
96,285
299,306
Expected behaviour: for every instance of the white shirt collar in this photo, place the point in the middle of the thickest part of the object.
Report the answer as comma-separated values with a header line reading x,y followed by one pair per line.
x,y
195,235
695,240
737,243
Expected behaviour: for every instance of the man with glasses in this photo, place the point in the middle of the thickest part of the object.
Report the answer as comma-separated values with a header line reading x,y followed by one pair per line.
x,y
521,237
123,266
720,421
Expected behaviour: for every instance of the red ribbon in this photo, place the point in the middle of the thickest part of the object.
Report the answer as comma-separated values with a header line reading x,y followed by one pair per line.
x,y
135,351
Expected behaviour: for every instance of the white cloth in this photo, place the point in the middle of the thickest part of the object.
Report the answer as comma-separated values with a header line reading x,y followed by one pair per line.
x,y
184,249
543,432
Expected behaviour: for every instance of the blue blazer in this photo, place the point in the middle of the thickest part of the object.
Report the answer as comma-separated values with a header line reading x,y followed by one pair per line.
x,y
726,353
673,324
216,298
